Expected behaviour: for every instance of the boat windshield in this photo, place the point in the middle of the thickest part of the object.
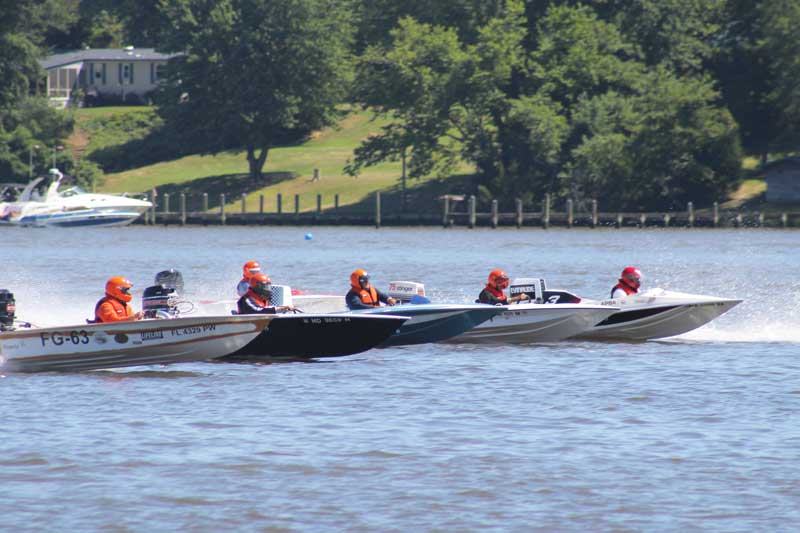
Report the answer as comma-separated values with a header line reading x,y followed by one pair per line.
x,y
72,191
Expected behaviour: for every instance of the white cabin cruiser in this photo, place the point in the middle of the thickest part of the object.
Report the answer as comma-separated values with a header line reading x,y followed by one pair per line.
x,y
653,314
69,207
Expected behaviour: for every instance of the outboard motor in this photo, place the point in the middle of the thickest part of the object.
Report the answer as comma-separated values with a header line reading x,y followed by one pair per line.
x,y
8,308
171,279
539,293
533,287
405,291
160,301
281,295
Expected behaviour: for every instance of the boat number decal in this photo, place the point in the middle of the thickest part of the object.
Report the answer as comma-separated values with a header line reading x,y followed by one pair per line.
x,y
57,338
553,299
193,330
326,320
151,335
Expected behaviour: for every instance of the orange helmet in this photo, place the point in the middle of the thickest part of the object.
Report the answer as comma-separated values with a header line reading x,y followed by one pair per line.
x,y
119,287
632,277
358,278
261,285
498,279
250,268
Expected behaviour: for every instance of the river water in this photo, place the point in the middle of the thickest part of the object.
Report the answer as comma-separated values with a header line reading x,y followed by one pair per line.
x,y
699,432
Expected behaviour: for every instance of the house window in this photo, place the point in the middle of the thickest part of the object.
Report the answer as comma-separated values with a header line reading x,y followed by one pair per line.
x,y
61,82
125,71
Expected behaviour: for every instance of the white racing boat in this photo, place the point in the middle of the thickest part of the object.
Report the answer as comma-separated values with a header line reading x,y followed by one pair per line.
x,y
69,207
121,344
532,323
654,314
658,313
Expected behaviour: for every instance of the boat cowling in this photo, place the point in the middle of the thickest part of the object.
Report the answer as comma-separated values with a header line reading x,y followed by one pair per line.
x,y
8,308
160,301
405,291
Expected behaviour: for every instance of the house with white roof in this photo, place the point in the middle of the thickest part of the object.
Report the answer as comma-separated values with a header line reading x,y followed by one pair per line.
x,y
124,75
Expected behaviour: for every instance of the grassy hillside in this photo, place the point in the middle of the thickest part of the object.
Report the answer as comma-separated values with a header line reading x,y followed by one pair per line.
x,y
288,170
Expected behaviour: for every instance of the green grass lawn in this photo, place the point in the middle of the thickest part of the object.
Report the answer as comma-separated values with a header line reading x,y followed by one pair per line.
x,y
327,150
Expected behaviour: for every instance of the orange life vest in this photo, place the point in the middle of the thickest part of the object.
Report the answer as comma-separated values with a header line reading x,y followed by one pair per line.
x,y
368,296
116,311
625,287
256,298
500,295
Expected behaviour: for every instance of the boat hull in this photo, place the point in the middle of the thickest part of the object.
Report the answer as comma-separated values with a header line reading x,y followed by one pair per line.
x,y
122,344
318,335
658,320
88,218
434,322
533,323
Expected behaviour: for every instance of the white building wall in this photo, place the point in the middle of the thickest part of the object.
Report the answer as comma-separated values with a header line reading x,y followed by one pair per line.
x,y
121,77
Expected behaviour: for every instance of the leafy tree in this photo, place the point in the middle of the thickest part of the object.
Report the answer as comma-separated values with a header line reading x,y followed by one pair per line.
x,y
114,23
376,19
18,52
30,124
24,121
251,70
570,110
661,147
780,20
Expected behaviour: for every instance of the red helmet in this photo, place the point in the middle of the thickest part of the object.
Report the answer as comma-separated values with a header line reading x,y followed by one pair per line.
x,y
261,285
250,268
359,278
498,279
119,287
632,277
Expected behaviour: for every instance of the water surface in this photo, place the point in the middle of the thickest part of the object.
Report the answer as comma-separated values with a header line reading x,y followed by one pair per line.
x,y
698,432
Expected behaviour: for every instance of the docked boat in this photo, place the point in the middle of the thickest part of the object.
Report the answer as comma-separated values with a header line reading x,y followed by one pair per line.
x,y
301,335
121,344
654,314
69,207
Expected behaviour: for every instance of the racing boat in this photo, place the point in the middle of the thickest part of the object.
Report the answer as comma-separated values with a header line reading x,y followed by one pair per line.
x,y
120,344
654,314
428,322
318,335
69,207
524,323
289,335
433,322
658,313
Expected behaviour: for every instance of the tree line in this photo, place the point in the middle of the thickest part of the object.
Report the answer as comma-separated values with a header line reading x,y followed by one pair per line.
x,y
644,104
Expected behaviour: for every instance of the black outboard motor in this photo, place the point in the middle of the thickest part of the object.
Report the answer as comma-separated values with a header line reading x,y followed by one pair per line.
x,y
8,308
171,279
160,301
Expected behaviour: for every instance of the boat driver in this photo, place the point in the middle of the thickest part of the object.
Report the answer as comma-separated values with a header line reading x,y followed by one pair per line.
x,y
115,306
257,298
629,282
248,271
493,294
363,295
